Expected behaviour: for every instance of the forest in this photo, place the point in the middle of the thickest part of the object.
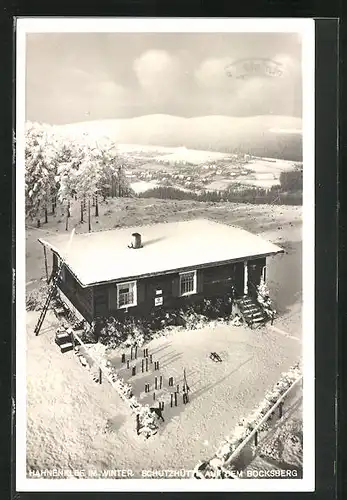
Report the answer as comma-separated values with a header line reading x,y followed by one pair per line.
x,y
60,170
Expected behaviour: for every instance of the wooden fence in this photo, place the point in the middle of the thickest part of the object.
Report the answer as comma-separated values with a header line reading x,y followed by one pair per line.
x,y
254,432
228,462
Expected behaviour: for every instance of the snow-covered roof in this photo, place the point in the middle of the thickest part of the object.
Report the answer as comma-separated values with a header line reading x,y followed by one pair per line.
x,y
103,256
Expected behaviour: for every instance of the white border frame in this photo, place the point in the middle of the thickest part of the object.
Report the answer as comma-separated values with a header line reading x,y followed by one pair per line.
x,y
305,27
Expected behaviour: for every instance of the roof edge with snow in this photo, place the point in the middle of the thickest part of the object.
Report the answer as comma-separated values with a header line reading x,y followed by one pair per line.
x,y
159,273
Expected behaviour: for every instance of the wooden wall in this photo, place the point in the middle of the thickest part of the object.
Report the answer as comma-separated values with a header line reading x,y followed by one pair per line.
x,y
211,282
82,298
101,300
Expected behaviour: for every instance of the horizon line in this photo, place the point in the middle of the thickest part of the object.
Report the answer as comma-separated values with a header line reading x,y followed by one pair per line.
x,y
236,117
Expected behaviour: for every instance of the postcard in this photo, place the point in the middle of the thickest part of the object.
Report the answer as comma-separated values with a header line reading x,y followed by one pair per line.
x,y
164,254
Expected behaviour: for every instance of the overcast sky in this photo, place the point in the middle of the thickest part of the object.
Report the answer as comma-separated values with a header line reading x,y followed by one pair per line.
x,y
83,76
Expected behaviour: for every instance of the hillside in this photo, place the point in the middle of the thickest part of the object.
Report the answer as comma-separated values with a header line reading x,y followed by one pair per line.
x,y
83,425
260,135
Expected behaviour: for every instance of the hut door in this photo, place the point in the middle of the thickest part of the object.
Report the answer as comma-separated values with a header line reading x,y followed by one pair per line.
x,y
239,278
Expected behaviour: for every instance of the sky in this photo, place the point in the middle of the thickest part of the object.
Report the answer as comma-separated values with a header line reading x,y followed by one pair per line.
x,y
75,77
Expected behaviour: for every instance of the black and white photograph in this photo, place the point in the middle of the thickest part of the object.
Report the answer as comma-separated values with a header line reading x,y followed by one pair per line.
x,y
165,254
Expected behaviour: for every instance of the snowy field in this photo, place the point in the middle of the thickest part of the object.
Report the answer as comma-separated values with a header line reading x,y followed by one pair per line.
x,y
67,412
194,156
262,173
173,154
143,148
142,186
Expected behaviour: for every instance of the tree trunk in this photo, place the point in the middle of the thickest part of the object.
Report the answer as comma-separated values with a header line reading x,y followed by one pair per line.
x,y
96,206
89,223
38,224
112,186
93,201
46,215
68,209
67,218
53,205
84,202
81,211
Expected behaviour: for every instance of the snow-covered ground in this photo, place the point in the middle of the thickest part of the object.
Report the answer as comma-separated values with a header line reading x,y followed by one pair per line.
x,y
142,186
286,130
67,412
262,172
145,148
261,183
282,447
195,156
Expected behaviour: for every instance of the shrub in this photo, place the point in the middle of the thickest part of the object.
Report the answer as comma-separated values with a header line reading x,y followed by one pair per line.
x,y
212,308
131,330
88,336
113,331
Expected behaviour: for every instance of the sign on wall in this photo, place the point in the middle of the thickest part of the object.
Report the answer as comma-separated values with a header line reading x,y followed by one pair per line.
x,y
158,301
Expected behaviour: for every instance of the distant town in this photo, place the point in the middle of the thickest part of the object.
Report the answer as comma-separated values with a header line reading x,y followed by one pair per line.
x,y
201,171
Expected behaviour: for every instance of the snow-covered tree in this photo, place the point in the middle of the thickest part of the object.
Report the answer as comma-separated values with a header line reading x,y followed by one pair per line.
x,y
68,164
88,176
70,167
40,171
113,181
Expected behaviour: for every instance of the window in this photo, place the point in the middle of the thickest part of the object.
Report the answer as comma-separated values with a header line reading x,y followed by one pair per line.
x,y
188,283
126,294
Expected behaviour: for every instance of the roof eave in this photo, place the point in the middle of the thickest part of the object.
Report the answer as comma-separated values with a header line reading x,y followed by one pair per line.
x,y
160,273
181,269
54,250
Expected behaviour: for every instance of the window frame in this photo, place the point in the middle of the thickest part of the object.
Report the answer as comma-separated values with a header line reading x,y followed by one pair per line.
x,y
127,283
195,283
